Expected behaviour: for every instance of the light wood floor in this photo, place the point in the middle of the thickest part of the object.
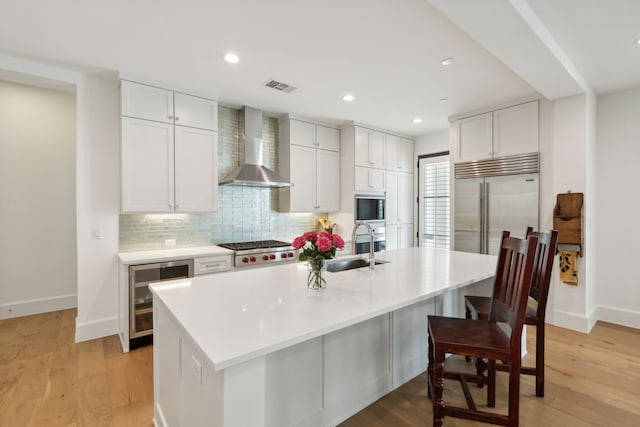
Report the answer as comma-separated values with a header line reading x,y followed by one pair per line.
x,y
47,380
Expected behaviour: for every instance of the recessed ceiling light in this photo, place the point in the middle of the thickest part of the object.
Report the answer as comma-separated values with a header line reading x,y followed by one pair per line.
x,y
417,120
231,58
443,99
348,97
447,61
637,41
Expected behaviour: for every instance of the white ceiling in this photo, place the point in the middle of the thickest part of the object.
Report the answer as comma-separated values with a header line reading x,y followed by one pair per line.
x,y
385,52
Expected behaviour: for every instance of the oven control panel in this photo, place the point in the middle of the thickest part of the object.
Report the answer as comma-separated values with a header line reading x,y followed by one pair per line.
x,y
270,257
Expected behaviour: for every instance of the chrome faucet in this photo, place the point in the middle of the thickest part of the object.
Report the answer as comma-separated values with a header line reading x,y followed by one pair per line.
x,y
372,260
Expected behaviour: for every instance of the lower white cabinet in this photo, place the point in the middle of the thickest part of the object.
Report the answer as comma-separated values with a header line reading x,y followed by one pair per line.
x,y
168,168
369,180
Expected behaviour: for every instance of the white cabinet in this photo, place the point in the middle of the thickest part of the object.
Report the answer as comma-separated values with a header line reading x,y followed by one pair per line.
x,y
399,197
515,130
503,132
313,170
399,153
369,180
312,135
168,167
162,105
369,148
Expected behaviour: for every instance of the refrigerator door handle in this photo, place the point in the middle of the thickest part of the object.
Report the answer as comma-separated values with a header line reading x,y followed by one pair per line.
x,y
486,218
482,240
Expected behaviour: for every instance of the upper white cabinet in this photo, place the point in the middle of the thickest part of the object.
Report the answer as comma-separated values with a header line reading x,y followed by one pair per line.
x,y
310,159
399,153
369,180
161,105
312,135
369,148
169,151
503,132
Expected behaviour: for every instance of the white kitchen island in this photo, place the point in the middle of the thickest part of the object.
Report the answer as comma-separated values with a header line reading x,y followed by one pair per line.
x,y
257,348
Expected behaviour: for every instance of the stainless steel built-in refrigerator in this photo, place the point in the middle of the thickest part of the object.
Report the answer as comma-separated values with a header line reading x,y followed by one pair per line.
x,y
494,195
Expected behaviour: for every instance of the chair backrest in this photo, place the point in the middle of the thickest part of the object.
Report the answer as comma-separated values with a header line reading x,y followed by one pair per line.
x,y
512,285
543,265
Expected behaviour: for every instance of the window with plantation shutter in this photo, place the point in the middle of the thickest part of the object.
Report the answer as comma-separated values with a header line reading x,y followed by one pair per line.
x,y
434,202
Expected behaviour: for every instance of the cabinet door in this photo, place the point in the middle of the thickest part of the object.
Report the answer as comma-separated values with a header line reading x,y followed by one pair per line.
x,y
327,138
392,199
368,180
406,155
391,236
405,236
327,181
196,169
392,149
147,166
362,147
376,149
405,198
196,112
515,129
303,171
146,102
474,138
302,133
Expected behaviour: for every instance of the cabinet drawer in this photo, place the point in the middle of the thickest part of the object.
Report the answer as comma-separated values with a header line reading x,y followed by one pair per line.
x,y
213,264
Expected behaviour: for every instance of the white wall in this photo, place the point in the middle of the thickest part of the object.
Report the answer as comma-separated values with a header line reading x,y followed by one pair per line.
x,y
98,206
618,201
569,159
430,143
37,200
97,191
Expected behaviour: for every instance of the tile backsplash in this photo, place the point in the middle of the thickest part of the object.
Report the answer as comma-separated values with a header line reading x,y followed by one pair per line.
x,y
244,213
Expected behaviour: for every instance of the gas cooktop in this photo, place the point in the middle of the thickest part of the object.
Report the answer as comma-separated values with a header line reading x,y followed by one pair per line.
x,y
261,252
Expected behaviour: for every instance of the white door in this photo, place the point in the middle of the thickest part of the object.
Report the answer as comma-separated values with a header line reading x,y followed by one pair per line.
x,y
303,170
196,112
146,102
147,166
327,180
196,170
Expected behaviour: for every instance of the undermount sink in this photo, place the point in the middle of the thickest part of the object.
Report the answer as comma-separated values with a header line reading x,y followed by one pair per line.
x,y
350,264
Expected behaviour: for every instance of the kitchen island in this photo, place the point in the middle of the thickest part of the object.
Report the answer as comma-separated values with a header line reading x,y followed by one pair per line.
x,y
257,348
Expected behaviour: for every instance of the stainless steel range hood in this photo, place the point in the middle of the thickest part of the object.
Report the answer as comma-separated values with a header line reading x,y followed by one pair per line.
x,y
253,172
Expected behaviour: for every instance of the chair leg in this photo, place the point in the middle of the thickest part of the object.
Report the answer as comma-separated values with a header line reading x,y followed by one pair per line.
x,y
540,360
491,385
438,388
467,315
514,391
429,366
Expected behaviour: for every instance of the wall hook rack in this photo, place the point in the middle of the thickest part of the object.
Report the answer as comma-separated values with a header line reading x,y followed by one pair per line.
x,y
567,219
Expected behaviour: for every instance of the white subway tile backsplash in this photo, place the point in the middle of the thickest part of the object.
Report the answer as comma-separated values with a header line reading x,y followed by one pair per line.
x,y
244,213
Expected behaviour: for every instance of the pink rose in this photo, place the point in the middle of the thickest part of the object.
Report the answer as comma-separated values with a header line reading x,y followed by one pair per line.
x,y
337,240
298,242
325,234
310,236
324,243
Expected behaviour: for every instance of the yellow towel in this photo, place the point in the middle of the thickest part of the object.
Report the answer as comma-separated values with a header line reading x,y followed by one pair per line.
x,y
569,267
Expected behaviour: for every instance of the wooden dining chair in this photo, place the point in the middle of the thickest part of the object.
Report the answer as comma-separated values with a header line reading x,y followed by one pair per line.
x,y
478,307
485,338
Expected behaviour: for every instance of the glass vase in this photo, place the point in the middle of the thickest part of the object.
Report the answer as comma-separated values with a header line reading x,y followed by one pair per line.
x,y
316,267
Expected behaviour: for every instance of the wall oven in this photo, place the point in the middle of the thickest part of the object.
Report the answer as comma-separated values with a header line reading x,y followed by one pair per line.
x,y
363,242
369,208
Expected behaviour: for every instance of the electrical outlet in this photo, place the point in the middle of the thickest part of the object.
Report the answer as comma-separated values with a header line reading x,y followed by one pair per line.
x,y
96,234
170,242
196,368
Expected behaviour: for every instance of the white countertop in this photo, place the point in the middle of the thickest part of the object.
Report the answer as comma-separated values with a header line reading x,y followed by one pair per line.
x,y
240,315
142,257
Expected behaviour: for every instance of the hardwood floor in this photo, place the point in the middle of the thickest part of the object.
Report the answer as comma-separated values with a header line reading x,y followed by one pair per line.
x,y
48,380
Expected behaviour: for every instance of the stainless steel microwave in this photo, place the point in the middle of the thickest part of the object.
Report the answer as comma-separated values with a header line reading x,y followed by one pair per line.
x,y
370,208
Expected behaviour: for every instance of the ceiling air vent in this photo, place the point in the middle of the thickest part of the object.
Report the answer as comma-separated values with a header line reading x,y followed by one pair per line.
x,y
282,87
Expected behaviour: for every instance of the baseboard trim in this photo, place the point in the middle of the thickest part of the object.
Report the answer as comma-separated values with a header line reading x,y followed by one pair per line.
x,y
98,328
619,316
575,321
37,306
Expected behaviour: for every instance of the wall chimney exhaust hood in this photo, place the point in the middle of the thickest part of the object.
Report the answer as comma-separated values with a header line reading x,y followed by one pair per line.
x,y
253,173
